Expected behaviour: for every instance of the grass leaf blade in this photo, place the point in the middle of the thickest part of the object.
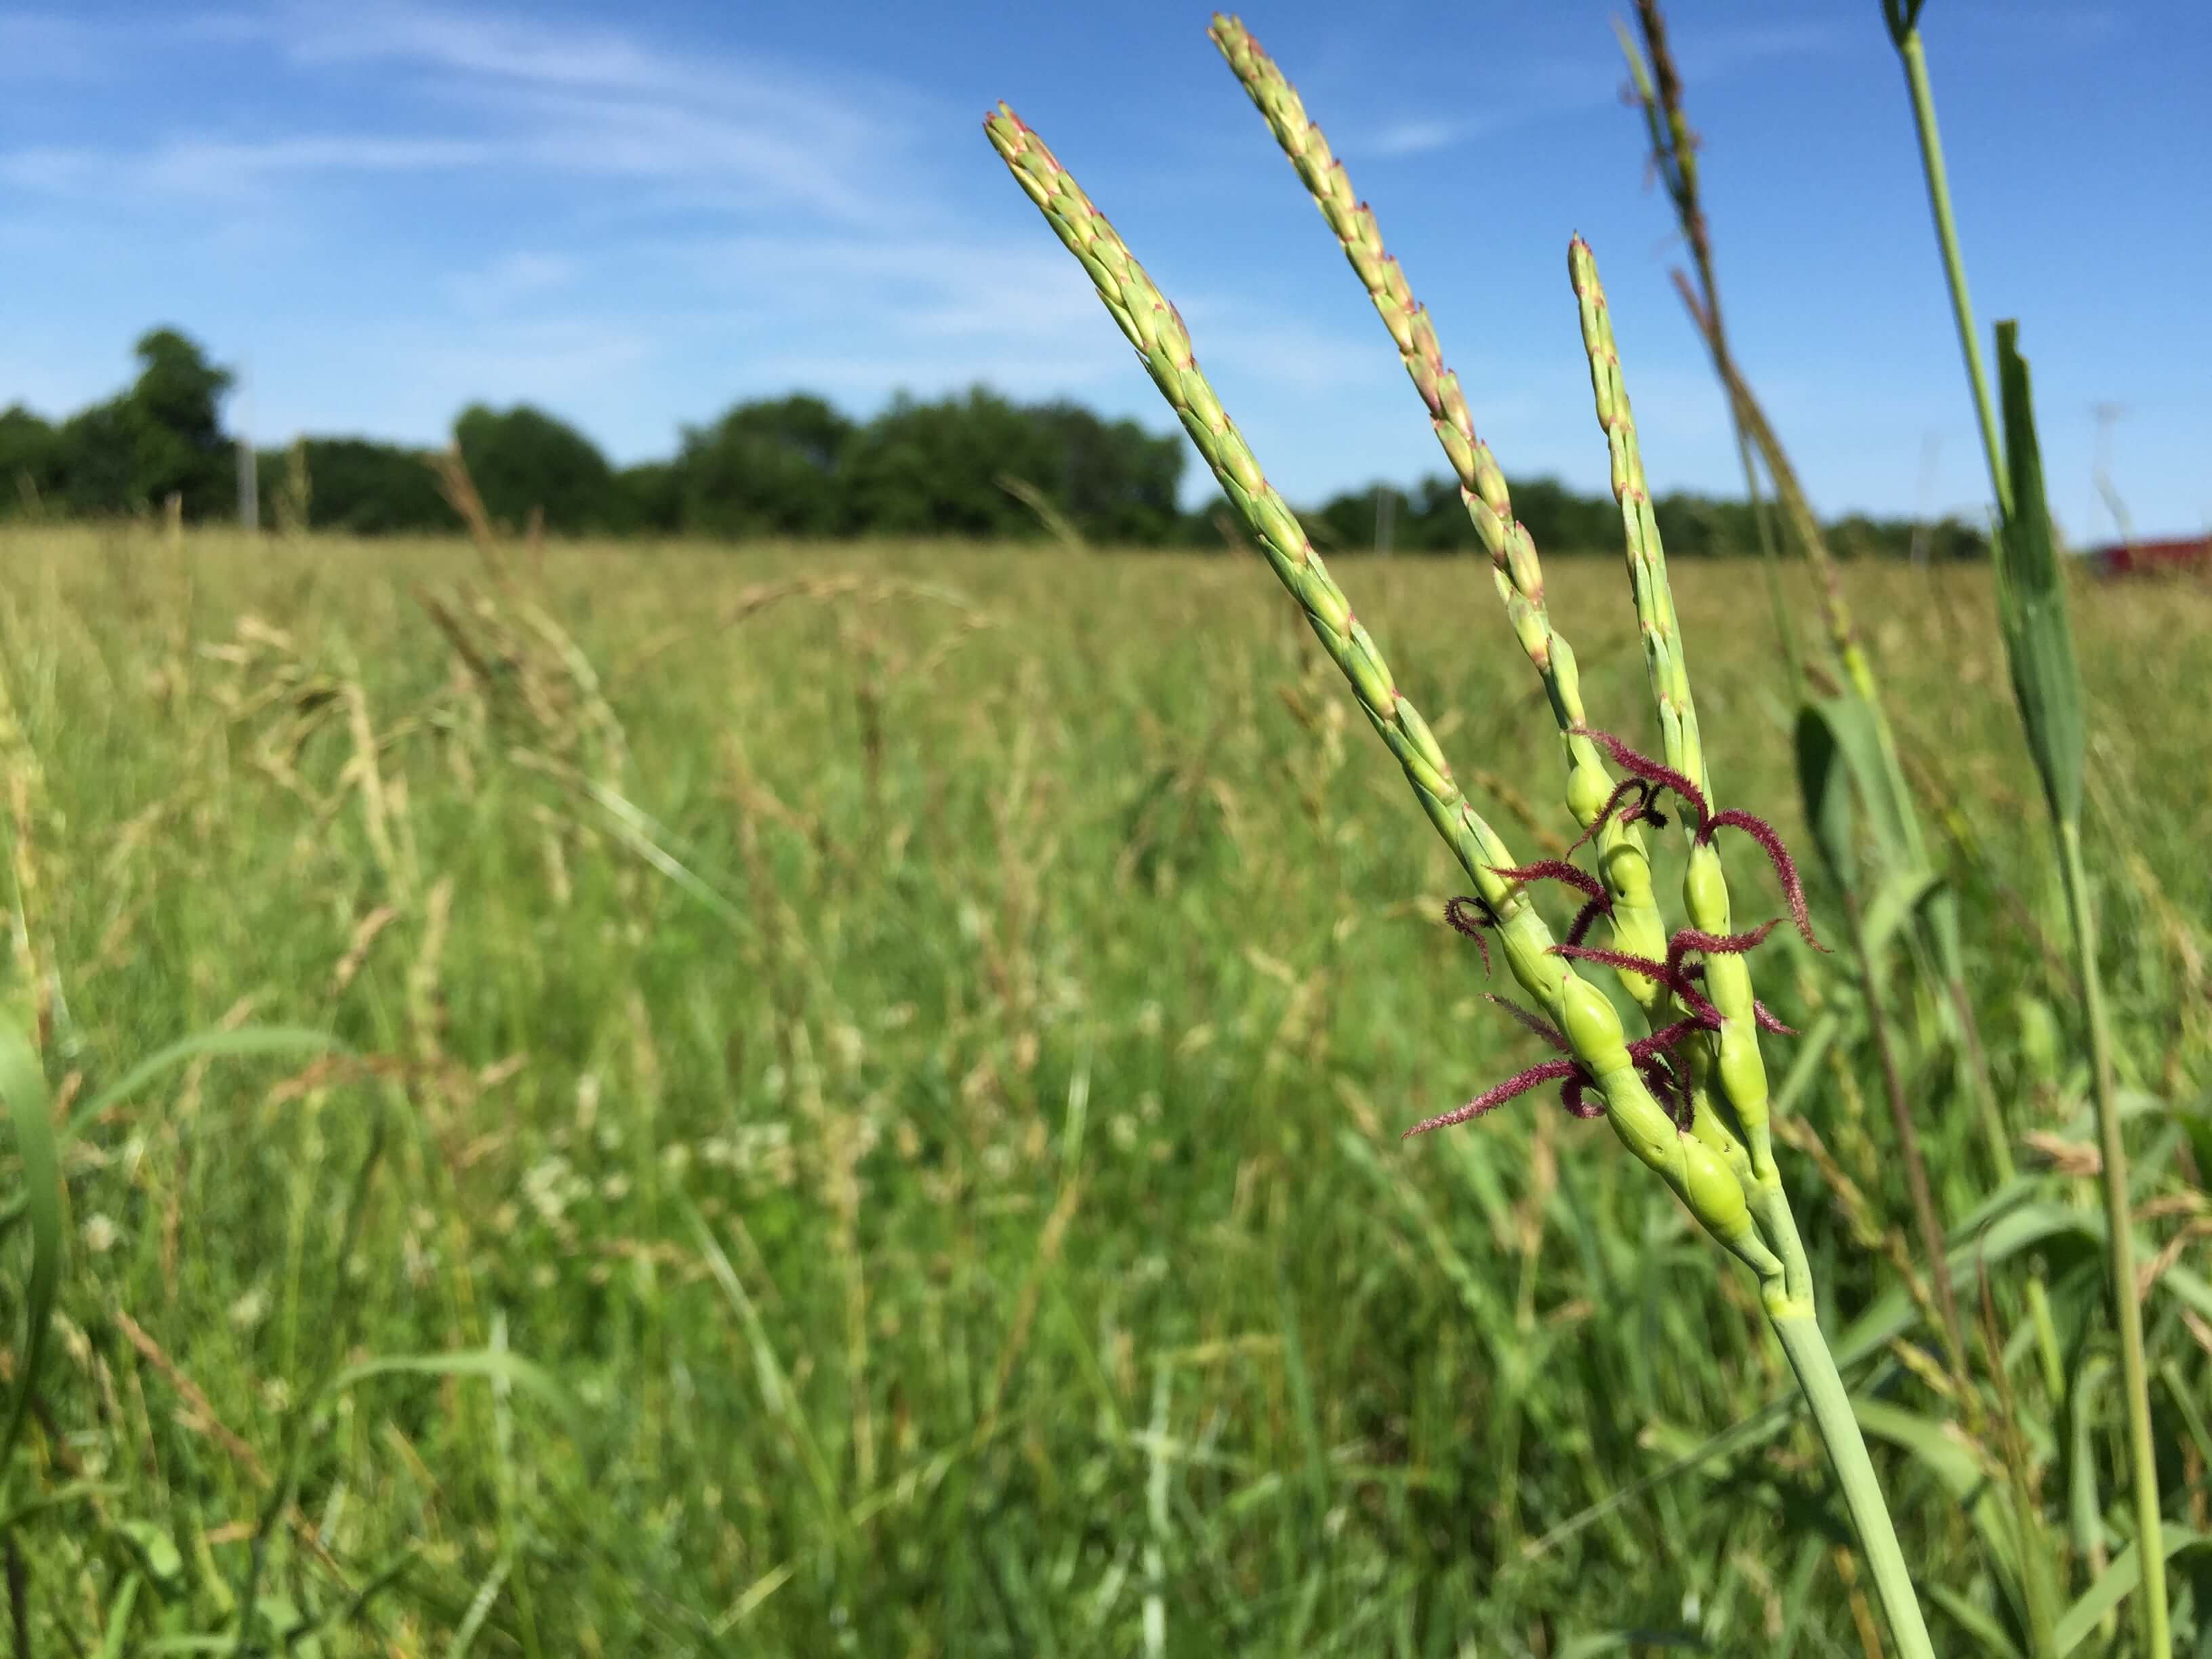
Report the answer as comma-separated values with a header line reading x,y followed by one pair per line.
x,y
213,1045
2117,1581
2032,609
23,1081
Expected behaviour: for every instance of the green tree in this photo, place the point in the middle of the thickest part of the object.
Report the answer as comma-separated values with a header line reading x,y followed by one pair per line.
x,y
938,468
360,486
1114,480
1698,526
175,409
164,436
522,457
932,469
1562,520
96,462
29,453
1429,518
768,468
649,499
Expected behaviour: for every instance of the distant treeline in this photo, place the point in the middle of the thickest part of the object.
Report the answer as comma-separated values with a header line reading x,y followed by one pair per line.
x,y
977,466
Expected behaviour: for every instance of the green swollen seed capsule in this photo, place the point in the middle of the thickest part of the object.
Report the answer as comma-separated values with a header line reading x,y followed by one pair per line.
x,y
1728,985
1704,891
1426,778
1423,739
1592,1026
1366,672
1327,603
1366,260
1743,1073
1587,788
1487,526
1640,1122
1395,319
1457,449
1714,1194
1239,463
1275,522
1203,404
1636,911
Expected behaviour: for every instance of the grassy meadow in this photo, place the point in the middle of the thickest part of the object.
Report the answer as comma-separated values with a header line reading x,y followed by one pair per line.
x,y
887,1063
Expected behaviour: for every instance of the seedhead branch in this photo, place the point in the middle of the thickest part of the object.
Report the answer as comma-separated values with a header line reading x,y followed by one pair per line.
x,y
1709,1177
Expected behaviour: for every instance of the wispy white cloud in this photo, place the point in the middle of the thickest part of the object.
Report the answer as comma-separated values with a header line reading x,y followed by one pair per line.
x,y
709,217
1423,136
1419,137
1541,90
523,50
597,101
483,91
1712,54
740,160
204,168
1562,89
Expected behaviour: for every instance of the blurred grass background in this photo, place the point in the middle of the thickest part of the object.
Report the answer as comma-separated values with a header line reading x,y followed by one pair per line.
x,y
912,1040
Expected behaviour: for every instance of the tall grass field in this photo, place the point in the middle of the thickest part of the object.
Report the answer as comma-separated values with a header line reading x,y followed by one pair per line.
x,y
846,1100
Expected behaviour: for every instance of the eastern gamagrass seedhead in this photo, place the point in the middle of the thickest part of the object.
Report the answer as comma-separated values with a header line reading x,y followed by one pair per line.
x,y
1689,1094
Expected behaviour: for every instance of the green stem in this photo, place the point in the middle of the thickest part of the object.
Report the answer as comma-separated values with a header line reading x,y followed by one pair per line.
x,y
1955,268
1778,1225
1839,1427
1906,35
2119,1225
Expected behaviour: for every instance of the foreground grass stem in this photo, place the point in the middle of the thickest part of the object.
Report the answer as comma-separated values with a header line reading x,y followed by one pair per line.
x,y
1903,19
2032,612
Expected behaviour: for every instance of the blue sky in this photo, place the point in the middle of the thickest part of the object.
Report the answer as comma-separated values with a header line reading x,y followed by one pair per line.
x,y
636,215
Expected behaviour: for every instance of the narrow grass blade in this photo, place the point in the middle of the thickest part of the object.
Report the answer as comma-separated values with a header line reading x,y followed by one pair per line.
x,y
248,1041
1974,1622
1826,768
117,1641
1633,1641
2019,1229
77,1491
2084,1503
1897,899
23,1080
1929,1443
494,1364
2118,1581
1841,758
480,1606
776,1392
2191,1408
1159,1530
